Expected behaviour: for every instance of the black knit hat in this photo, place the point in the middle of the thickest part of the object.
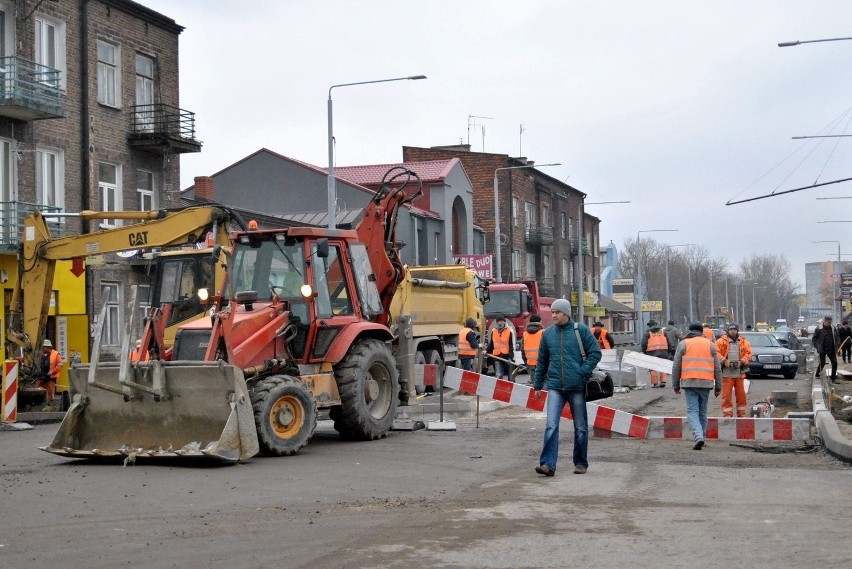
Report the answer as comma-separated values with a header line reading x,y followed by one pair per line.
x,y
696,327
535,318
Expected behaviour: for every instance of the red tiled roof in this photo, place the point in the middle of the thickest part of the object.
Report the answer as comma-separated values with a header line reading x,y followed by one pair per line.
x,y
371,175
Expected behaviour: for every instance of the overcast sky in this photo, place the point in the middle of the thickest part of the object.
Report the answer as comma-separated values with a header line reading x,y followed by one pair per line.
x,y
676,106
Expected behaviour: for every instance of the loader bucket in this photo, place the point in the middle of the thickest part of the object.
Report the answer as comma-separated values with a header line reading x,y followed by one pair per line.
x,y
159,410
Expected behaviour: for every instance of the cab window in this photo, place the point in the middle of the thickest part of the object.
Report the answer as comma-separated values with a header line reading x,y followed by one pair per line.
x,y
333,295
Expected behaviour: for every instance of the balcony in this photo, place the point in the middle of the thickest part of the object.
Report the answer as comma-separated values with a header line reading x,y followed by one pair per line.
x,y
12,216
538,235
29,91
163,129
574,247
547,286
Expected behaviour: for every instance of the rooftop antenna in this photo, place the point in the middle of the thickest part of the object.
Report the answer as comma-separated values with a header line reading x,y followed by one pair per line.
x,y
471,122
520,140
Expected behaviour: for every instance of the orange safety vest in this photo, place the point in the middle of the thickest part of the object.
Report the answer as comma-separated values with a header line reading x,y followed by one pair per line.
x,y
465,349
723,346
601,337
657,342
697,362
532,340
55,364
501,341
708,333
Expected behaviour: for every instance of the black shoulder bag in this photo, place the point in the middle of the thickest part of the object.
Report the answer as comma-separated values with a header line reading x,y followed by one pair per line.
x,y
599,385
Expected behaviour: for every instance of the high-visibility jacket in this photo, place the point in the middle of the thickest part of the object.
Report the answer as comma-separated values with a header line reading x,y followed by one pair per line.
x,y
532,340
55,365
723,346
657,342
708,333
465,349
697,363
501,341
600,333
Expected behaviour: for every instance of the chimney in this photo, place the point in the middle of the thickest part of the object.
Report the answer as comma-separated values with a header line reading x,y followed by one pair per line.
x,y
204,188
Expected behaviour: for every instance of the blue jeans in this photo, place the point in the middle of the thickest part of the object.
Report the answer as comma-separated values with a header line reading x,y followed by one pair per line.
x,y
556,400
466,363
696,410
502,370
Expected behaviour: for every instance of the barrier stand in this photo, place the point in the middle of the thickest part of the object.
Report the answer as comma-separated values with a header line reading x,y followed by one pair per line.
x,y
9,399
441,425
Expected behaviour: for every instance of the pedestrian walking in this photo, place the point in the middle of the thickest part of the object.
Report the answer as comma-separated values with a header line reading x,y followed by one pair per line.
x,y
734,354
468,344
844,334
655,343
674,336
502,345
697,371
826,340
562,366
531,341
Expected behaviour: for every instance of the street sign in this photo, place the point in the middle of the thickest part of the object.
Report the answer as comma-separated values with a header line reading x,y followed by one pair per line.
x,y
595,311
652,306
589,299
846,279
622,292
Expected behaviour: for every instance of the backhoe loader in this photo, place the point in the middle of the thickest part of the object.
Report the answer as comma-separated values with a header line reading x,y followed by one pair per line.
x,y
183,270
302,327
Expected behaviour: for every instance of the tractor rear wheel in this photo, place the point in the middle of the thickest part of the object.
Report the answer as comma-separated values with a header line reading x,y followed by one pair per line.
x,y
285,414
368,382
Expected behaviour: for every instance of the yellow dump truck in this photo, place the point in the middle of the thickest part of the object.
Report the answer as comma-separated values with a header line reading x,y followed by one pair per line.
x,y
427,313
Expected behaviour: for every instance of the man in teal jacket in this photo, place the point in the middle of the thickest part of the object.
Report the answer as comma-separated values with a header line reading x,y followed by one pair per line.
x,y
561,364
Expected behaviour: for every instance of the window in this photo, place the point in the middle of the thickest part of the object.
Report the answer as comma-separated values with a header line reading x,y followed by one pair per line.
x,y
564,224
7,192
145,117
530,274
566,278
546,268
545,216
437,245
529,210
371,303
143,298
333,297
110,296
108,76
517,265
516,206
50,49
110,191
145,189
50,179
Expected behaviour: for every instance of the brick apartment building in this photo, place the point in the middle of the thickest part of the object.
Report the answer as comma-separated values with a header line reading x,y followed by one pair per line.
x,y
538,219
89,119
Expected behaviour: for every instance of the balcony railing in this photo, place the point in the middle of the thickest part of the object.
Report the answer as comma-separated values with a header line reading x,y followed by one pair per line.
x,y
539,235
547,286
163,129
12,216
574,246
30,91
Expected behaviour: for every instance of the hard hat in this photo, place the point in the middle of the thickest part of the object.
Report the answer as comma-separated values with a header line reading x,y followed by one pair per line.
x,y
47,344
734,326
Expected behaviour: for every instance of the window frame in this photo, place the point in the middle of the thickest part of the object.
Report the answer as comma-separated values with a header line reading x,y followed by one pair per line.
x,y
142,192
109,336
59,50
115,67
41,154
103,187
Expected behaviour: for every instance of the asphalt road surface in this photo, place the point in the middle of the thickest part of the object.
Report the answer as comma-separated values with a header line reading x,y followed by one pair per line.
x,y
467,498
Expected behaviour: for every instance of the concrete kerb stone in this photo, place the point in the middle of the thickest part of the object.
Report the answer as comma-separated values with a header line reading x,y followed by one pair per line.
x,y
827,429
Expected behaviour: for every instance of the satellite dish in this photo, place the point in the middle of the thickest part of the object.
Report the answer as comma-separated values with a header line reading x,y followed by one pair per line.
x,y
504,239
127,254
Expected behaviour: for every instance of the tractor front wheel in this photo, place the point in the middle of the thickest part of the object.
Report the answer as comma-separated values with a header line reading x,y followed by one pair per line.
x,y
285,414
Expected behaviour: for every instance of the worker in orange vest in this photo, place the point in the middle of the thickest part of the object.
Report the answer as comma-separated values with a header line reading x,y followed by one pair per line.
x,y
51,365
468,344
531,341
602,335
734,353
696,369
708,333
502,345
655,343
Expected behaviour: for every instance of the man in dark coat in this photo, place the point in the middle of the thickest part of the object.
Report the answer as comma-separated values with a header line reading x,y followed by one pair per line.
x,y
826,341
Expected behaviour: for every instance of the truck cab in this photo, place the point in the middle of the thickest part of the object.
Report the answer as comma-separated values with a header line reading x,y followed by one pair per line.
x,y
517,301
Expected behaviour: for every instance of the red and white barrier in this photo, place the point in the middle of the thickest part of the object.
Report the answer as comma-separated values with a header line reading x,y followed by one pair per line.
x,y
10,392
733,429
608,420
426,374
604,418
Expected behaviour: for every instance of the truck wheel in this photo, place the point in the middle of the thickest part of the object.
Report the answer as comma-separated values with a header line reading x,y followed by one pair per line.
x,y
285,414
419,358
368,383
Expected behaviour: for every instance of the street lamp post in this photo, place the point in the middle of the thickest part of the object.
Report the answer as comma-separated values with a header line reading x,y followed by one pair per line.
x,y
668,250
800,42
640,296
689,275
753,308
332,189
580,211
837,271
497,246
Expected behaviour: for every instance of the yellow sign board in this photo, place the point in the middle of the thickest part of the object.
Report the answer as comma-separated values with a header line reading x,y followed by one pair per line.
x,y
594,311
652,306
589,298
